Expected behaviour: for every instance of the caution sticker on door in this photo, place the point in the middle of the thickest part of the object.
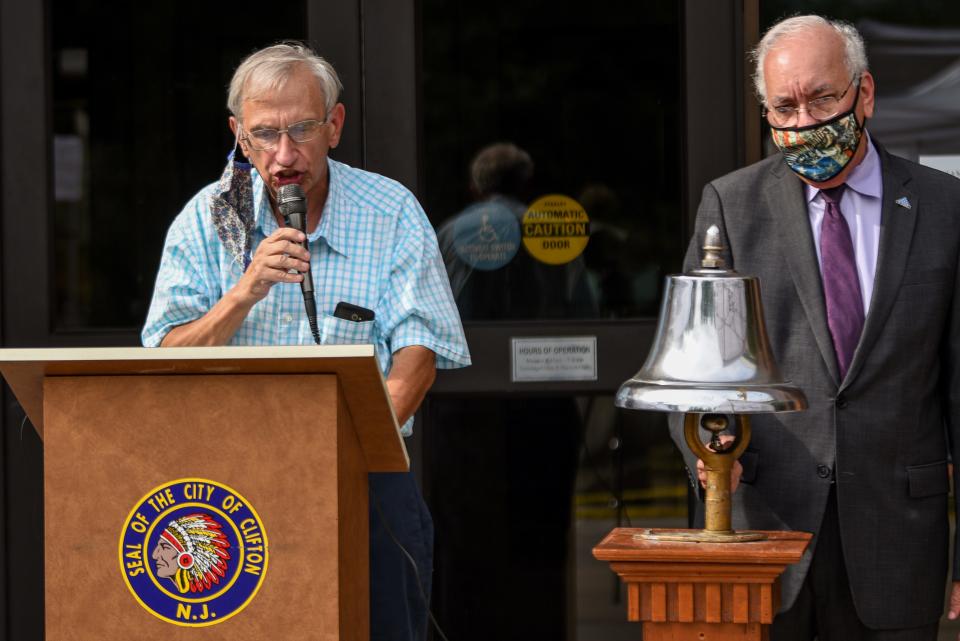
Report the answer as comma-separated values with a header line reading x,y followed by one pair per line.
x,y
556,229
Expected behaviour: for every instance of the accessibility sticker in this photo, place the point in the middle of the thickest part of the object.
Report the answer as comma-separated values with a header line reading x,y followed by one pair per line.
x,y
555,229
486,235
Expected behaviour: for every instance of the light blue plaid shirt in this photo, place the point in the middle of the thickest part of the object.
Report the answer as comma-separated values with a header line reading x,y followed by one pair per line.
x,y
374,247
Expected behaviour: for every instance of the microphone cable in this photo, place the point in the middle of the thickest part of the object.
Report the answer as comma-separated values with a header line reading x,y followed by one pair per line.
x,y
292,203
410,560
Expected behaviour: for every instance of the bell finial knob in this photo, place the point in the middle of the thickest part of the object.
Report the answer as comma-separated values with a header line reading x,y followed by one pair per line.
x,y
712,249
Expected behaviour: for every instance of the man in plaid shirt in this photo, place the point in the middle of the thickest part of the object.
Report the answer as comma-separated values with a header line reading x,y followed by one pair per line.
x,y
230,274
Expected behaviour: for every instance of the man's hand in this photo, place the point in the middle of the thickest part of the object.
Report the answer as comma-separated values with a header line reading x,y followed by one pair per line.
x,y
954,611
271,263
735,472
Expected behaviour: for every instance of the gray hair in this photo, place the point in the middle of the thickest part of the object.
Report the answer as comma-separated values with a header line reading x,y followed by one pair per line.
x,y
269,69
854,51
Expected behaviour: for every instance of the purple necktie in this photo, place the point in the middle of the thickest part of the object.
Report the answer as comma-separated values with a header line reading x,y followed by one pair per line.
x,y
841,285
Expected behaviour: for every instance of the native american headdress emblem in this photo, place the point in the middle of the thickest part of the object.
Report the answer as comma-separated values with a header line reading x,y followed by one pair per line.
x,y
202,552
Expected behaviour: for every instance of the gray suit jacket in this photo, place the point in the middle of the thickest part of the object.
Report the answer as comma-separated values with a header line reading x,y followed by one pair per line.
x,y
884,433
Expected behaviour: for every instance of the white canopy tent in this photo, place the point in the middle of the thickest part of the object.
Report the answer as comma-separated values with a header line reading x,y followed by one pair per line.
x,y
923,119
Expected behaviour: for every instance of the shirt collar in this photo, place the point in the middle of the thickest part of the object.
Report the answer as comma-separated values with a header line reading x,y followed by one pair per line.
x,y
865,179
263,214
333,219
330,229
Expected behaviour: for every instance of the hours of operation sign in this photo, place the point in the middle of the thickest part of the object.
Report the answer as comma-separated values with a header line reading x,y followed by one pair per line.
x,y
561,358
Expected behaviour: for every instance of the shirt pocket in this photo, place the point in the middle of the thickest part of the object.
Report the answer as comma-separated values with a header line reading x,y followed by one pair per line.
x,y
339,331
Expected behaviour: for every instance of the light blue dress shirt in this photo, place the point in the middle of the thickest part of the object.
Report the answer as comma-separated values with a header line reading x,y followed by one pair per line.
x,y
374,247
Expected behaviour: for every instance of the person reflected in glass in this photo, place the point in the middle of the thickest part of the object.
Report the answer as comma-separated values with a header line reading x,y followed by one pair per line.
x,y
491,274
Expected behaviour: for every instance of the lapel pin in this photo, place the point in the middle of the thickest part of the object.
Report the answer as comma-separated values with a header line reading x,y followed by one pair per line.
x,y
904,202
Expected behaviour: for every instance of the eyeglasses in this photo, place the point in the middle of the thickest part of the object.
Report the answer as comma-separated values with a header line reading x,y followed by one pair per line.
x,y
303,131
820,109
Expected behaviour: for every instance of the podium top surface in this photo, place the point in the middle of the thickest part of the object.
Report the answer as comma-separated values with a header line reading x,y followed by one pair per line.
x,y
356,366
198,355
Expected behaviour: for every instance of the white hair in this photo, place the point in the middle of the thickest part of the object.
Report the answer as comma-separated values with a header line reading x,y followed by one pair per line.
x,y
854,51
269,69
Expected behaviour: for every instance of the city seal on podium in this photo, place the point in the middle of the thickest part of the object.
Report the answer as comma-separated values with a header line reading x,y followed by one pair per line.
x,y
193,552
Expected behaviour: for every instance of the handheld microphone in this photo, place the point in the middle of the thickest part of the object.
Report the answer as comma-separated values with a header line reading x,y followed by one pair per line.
x,y
293,207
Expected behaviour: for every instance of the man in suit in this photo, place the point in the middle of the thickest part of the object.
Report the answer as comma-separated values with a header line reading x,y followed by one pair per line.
x,y
857,252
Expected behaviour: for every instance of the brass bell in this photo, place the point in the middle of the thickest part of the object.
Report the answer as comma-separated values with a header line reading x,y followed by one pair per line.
x,y
711,357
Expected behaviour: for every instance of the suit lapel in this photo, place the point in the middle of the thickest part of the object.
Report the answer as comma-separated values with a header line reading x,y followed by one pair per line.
x,y
786,200
896,232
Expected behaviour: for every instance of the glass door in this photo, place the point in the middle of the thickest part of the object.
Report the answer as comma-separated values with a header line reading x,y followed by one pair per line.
x,y
551,166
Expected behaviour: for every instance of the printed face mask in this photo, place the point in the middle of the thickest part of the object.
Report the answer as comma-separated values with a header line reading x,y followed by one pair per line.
x,y
232,207
819,152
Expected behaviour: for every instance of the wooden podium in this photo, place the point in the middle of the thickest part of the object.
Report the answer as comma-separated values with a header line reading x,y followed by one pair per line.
x,y
684,591
292,431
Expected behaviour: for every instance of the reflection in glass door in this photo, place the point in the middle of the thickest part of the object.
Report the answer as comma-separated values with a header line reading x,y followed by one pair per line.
x,y
523,100
550,165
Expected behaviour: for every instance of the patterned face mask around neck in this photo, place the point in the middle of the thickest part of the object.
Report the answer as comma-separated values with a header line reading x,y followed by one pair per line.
x,y
232,207
821,151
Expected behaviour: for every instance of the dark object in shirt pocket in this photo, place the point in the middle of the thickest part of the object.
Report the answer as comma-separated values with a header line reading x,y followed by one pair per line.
x,y
355,313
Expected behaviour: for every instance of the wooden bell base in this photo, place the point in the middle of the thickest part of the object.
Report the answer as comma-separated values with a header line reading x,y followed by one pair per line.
x,y
689,591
